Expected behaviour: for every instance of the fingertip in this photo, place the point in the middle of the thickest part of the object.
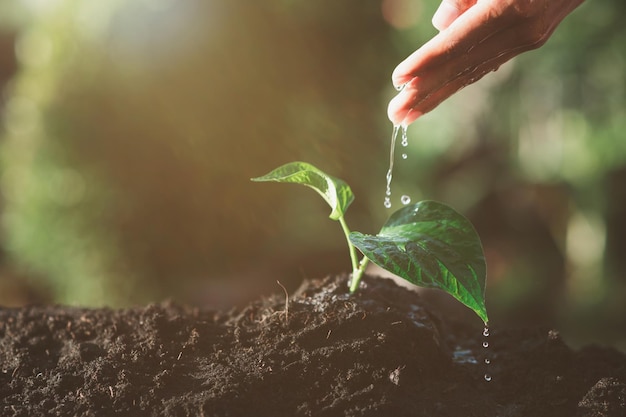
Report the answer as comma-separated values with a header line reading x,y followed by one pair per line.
x,y
399,78
396,110
399,113
445,15
392,112
410,117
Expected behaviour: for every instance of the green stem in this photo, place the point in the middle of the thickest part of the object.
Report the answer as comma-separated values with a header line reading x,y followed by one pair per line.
x,y
353,256
358,274
358,268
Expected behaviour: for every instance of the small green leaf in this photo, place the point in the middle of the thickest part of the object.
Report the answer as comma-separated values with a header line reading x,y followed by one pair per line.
x,y
431,245
335,192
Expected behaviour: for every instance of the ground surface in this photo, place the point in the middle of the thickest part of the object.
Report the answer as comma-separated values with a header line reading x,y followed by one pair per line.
x,y
376,353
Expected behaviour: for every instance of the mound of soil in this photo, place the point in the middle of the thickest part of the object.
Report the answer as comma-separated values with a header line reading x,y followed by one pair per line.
x,y
324,353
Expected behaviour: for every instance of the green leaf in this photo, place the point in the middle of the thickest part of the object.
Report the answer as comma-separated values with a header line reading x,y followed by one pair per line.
x,y
335,192
431,245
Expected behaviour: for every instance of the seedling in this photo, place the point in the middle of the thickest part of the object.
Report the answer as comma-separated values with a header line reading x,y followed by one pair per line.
x,y
427,243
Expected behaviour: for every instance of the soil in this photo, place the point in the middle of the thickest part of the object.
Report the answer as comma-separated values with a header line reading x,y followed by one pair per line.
x,y
379,352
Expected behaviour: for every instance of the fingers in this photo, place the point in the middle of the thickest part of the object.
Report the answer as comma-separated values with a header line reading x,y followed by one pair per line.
x,y
422,95
442,77
452,44
454,58
477,37
448,11
400,110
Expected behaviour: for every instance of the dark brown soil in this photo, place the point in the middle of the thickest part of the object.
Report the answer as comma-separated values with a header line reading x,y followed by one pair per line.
x,y
376,353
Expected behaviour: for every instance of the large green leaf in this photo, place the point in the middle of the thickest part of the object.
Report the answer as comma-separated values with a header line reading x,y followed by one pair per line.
x,y
431,245
336,192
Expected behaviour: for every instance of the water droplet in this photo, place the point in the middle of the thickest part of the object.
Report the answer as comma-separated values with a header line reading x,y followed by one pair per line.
x,y
387,202
404,156
405,199
405,138
486,360
401,87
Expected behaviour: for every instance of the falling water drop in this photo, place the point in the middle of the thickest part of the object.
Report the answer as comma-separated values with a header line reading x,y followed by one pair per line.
x,y
404,156
405,199
486,360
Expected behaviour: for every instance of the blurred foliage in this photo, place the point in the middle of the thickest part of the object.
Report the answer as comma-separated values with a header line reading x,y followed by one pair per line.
x,y
534,154
129,149
132,128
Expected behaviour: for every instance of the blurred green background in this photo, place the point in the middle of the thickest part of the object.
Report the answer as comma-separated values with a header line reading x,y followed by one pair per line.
x,y
130,130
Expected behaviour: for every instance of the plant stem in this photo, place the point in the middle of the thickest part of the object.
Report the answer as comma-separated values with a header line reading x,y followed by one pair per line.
x,y
353,256
357,274
357,267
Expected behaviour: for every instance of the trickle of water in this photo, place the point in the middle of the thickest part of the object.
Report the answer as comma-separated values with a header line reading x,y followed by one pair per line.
x,y
394,134
405,199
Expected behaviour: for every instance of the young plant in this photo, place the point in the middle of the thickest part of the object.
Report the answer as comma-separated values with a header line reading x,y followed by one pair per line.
x,y
427,243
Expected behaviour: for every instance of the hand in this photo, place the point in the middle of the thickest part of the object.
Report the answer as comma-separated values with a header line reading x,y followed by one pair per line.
x,y
475,38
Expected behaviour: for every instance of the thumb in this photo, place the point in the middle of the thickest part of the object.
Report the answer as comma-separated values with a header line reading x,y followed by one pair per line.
x,y
448,11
